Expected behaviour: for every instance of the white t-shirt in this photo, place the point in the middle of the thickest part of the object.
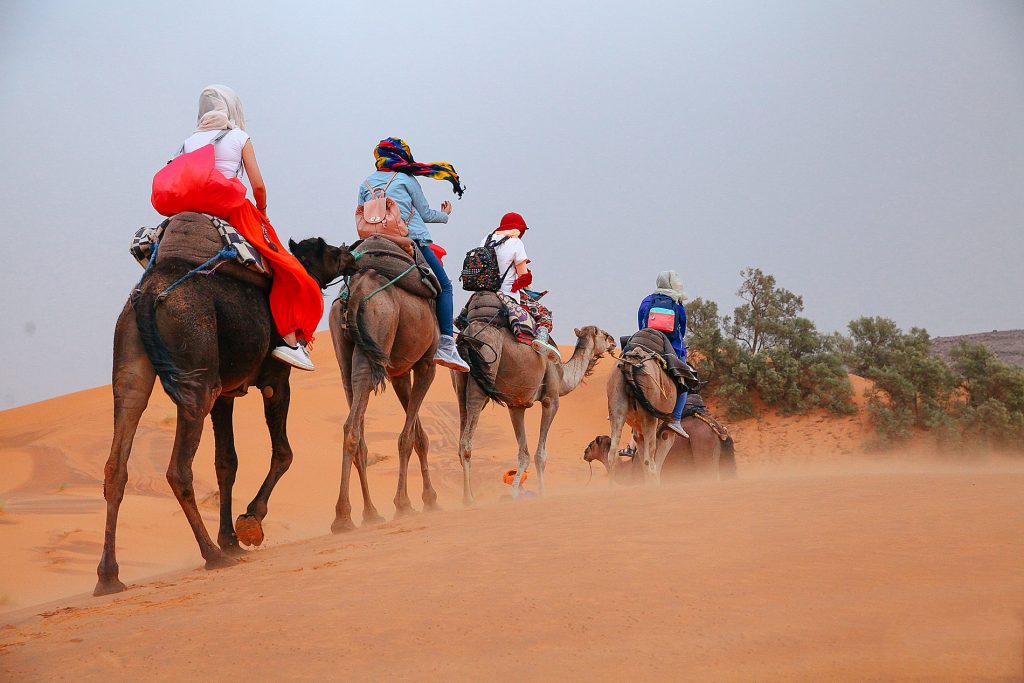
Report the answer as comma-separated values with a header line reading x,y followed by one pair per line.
x,y
509,252
227,151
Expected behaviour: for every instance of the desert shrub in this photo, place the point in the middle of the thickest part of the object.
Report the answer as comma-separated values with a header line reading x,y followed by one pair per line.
x,y
994,411
766,350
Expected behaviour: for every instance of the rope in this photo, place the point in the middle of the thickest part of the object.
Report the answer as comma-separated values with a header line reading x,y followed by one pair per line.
x,y
390,282
224,254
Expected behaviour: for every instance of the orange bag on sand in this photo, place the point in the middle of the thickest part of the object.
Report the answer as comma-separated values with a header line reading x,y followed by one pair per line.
x,y
190,182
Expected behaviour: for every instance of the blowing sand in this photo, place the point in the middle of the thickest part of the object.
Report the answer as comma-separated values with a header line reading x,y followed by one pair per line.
x,y
817,563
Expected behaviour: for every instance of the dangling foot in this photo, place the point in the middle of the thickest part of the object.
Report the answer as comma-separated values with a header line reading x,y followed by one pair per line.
x,y
542,345
448,355
677,427
295,356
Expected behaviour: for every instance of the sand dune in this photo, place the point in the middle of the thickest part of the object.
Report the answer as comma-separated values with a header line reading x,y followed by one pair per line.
x,y
818,562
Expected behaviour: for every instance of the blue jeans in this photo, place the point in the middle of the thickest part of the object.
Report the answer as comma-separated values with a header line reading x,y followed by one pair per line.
x,y
445,305
680,404
681,401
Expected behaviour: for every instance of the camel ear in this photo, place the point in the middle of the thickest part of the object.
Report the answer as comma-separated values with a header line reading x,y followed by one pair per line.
x,y
291,244
577,331
322,243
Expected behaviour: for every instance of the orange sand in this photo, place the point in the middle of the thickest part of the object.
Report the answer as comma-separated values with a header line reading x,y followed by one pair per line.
x,y
817,563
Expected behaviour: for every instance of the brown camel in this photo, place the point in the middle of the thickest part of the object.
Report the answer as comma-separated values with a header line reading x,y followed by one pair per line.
x,y
517,376
679,458
389,333
208,340
641,394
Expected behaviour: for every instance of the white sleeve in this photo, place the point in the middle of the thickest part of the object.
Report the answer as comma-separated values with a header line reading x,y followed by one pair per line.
x,y
519,255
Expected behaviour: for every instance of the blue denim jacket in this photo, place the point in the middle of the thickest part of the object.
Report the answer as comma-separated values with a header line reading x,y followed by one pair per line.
x,y
408,194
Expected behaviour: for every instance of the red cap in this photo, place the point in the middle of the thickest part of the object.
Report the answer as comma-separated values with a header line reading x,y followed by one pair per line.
x,y
513,221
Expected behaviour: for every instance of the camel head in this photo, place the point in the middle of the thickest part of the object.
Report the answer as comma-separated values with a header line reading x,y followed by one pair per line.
x,y
603,342
322,261
598,449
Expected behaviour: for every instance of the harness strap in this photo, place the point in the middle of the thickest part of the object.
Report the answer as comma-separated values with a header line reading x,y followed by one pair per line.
x,y
224,254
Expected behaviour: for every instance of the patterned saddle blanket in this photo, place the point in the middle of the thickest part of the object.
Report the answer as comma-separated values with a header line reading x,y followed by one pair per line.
x,y
146,239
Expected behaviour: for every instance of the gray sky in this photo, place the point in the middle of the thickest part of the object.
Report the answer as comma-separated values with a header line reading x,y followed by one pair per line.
x,y
869,154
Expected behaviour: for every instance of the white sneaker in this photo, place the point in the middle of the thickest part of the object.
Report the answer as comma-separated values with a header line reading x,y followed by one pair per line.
x,y
295,356
677,427
448,355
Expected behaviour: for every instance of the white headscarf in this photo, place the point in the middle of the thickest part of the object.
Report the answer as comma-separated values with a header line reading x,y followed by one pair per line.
x,y
670,286
219,108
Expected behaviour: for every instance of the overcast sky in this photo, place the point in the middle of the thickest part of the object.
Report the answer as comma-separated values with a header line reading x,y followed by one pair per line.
x,y
868,154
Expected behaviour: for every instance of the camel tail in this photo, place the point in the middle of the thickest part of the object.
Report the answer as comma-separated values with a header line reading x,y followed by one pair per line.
x,y
478,371
171,376
631,373
378,359
727,459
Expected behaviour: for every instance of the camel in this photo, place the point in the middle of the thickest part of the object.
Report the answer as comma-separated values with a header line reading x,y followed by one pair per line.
x,y
517,377
682,458
390,334
208,340
641,394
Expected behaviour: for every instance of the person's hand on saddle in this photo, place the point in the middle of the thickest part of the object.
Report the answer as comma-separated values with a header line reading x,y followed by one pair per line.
x,y
523,280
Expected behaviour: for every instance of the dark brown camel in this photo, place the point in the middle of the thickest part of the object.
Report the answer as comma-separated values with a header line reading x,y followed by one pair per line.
x,y
383,332
207,340
517,377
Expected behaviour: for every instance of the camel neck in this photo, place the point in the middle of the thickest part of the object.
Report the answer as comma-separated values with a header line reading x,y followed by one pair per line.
x,y
577,367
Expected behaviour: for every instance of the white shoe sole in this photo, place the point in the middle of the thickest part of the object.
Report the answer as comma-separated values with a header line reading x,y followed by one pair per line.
x,y
295,363
451,366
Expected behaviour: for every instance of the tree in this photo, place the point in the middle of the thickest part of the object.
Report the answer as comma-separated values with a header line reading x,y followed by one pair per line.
x,y
758,322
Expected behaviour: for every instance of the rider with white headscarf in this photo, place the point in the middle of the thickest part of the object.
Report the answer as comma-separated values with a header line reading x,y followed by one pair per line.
x,y
220,110
669,295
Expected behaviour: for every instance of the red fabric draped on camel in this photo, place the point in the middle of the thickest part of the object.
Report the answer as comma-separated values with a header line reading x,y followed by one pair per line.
x,y
296,301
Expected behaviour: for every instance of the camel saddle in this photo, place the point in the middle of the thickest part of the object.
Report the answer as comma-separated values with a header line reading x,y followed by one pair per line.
x,y
658,344
487,308
195,239
392,261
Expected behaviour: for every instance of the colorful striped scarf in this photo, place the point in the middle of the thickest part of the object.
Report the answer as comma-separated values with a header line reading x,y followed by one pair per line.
x,y
393,154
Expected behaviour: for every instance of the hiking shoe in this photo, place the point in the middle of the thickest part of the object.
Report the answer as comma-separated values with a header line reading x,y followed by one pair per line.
x,y
627,452
295,356
542,346
448,356
677,427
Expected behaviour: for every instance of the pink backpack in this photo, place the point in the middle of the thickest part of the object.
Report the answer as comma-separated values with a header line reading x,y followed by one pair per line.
x,y
380,215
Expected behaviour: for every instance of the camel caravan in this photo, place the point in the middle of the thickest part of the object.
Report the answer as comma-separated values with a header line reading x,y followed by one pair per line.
x,y
223,306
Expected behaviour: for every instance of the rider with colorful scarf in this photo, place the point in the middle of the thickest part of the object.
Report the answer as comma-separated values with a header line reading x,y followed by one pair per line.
x,y
395,164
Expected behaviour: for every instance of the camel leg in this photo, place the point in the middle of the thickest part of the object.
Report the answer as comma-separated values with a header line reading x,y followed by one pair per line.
x,y
249,526
549,407
132,386
616,421
179,476
649,429
474,401
518,416
226,464
421,443
403,506
355,447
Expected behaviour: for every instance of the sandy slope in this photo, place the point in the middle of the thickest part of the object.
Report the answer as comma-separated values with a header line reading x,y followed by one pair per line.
x,y
816,562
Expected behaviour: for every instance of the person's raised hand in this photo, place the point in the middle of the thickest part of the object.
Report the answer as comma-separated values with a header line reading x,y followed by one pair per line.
x,y
446,206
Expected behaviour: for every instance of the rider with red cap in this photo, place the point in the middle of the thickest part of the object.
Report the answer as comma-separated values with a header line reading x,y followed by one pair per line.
x,y
512,261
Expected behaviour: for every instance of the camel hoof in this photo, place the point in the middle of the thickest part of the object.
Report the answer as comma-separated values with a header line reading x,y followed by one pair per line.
x,y
373,519
249,530
108,586
232,549
405,511
431,506
221,561
340,526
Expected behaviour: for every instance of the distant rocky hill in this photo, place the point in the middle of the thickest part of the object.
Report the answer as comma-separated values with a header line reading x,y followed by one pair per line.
x,y
1007,345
